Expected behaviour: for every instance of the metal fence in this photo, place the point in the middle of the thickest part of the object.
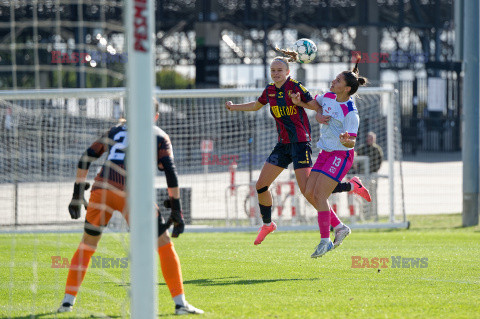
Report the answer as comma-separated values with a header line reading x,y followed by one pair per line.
x,y
424,128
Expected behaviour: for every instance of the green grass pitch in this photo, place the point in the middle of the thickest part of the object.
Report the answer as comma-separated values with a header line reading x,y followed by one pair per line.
x,y
229,277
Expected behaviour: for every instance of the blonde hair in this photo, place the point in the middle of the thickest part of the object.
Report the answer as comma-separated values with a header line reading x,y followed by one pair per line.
x,y
291,55
281,59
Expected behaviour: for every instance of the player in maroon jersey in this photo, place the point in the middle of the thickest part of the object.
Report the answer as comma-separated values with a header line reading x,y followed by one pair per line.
x,y
294,136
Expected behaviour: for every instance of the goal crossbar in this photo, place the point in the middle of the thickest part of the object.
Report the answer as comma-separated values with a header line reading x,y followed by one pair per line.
x,y
121,93
376,104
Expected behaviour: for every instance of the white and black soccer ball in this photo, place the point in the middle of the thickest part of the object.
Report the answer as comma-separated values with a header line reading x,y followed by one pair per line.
x,y
306,49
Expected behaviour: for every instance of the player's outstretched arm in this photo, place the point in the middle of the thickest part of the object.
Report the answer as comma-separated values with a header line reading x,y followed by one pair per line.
x,y
250,106
313,105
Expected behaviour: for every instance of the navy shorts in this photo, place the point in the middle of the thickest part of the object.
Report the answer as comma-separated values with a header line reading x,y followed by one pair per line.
x,y
298,153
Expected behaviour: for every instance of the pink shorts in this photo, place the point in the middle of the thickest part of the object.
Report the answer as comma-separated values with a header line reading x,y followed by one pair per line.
x,y
335,164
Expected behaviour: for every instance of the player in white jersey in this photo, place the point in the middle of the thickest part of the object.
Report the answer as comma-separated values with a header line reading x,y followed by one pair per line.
x,y
343,118
337,140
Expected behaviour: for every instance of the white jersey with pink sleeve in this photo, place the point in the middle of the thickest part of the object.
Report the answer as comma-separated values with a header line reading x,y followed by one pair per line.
x,y
344,118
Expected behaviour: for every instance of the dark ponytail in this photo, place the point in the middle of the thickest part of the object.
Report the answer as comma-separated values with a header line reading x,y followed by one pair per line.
x,y
353,78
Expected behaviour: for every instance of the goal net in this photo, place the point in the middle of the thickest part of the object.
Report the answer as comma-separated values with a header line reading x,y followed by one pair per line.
x,y
218,155
42,137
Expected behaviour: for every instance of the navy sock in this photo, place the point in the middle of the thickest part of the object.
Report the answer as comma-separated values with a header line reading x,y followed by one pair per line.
x,y
342,187
266,212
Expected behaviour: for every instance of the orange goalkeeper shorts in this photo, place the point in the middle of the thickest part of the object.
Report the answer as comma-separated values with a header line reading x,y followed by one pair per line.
x,y
102,204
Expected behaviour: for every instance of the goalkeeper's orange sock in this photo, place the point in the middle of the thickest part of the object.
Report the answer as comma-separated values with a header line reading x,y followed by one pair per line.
x,y
78,268
171,270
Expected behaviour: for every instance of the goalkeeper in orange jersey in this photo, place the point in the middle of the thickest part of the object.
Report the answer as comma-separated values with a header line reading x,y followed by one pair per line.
x,y
107,195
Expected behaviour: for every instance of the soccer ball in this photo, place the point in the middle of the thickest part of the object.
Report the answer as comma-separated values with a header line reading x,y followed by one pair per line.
x,y
306,49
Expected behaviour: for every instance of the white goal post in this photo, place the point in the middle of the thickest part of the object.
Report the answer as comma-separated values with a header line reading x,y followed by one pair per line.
x,y
50,126
140,30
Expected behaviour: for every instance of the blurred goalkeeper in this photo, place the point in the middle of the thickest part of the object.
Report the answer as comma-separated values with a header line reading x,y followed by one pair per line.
x,y
108,195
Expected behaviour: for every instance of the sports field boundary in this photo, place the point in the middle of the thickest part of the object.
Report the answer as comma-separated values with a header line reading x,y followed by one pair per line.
x,y
205,229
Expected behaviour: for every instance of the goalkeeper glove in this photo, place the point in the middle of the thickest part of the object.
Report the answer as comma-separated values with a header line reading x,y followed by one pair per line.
x,y
162,226
176,217
78,199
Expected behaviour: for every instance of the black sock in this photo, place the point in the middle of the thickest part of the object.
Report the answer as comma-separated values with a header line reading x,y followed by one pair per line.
x,y
343,187
266,212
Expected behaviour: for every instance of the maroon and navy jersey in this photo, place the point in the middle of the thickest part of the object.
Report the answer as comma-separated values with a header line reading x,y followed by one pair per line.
x,y
291,120
115,142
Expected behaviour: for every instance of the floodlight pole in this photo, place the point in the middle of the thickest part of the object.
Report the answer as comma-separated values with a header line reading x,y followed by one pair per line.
x,y
471,115
139,19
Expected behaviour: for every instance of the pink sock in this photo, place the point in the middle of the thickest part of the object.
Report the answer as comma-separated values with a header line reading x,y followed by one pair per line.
x,y
324,224
334,221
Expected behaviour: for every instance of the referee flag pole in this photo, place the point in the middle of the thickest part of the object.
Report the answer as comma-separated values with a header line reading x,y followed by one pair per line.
x,y
139,20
